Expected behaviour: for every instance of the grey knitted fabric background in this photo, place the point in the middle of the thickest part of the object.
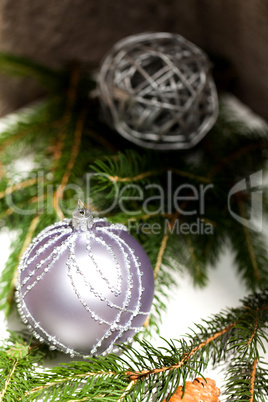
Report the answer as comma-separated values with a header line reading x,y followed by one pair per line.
x,y
54,32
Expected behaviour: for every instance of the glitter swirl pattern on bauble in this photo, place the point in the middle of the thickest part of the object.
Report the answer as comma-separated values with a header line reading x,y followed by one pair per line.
x,y
85,285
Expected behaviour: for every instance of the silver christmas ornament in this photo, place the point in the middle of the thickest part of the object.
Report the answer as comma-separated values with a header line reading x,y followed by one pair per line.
x,y
84,285
156,91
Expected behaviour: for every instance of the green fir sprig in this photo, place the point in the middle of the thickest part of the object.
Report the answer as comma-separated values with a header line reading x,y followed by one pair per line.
x,y
68,147
142,372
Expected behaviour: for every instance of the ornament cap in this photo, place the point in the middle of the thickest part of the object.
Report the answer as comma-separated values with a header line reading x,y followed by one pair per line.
x,y
82,218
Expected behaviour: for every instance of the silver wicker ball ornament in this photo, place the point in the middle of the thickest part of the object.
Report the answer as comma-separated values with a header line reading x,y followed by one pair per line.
x,y
156,91
85,285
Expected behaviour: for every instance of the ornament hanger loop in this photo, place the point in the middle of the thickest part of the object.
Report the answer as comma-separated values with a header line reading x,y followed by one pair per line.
x,y
82,218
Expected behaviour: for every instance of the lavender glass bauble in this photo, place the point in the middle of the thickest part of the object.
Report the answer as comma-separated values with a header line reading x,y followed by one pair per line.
x,y
85,285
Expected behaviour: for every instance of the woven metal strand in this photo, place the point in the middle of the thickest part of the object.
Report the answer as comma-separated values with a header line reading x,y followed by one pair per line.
x,y
157,92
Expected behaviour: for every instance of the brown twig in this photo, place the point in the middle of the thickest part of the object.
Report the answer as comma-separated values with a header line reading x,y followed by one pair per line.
x,y
71,97
145,373
58,195
16,137
189,175
163,245
156,172
63,380
18,186
252,381
193,255
255,328
130,385
8,379
140,176
237,154
101,140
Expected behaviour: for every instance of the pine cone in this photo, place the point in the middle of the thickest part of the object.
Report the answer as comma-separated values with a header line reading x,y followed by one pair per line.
x,y
197,391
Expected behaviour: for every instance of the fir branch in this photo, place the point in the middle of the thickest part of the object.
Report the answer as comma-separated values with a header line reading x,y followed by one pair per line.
x,y
17,362
151,173
74,154
8,277
160,249
25,192
65,139
139,177
247,382
8,379
27,241
41,388
256,271
67,115
143,372
13,65
253,260
194,262
18,186
255,330
189,175
238,154
160,255
183,361
6,142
